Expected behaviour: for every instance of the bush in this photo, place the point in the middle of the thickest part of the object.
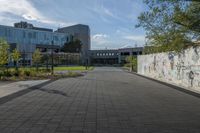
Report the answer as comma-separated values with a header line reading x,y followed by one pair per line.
x,y
15,73
34,73
127,65
27,73
7,74
21,73
1,74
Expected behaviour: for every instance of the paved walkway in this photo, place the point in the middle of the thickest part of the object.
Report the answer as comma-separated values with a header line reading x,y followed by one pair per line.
x,y
9,88
106,100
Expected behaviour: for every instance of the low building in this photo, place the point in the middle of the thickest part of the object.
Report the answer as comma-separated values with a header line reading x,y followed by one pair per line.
x,y
124,52
99,57
113,56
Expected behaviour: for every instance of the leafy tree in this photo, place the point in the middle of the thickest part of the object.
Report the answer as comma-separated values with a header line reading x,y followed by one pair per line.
x,y
189,19
132,62
72,47
36,58
4,52
15,56
168,24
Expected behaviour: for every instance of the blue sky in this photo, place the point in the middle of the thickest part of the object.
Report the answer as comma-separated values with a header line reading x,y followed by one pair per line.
x,y
112,22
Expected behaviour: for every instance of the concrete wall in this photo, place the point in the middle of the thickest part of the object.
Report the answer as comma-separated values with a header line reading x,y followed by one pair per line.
x,y
182,69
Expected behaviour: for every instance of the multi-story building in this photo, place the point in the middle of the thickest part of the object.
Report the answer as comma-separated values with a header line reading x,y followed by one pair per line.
x,y
26,40
82,33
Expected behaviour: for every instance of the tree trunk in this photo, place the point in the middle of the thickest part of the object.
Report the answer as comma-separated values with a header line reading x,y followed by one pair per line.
x,y
37,67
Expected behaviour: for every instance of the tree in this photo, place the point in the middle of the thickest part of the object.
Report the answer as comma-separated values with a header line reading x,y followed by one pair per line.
x,y
189,19
4,52
72,47
45,60
36,58
132,62
165,24
15,56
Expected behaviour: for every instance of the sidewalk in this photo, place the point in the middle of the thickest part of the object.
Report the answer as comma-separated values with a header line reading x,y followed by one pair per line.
x,y
189,90
8,88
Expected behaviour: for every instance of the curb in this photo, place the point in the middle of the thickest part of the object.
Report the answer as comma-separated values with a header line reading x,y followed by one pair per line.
x,y
179,88
23,92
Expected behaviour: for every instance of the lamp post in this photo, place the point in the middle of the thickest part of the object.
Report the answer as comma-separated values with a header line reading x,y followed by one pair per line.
x,y
24,58
52,63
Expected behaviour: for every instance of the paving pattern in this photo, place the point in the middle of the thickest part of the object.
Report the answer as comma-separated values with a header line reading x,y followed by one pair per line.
x,y
106,100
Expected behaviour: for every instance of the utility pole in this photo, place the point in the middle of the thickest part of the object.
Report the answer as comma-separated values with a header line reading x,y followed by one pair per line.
x,y
52,63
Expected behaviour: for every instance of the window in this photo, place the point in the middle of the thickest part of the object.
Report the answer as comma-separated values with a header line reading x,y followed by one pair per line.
x,y
7,32
45,36
134,53
29,35
24,34
55,38
34,35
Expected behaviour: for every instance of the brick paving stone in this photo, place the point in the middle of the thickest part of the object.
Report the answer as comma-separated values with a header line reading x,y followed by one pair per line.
x,y
106,100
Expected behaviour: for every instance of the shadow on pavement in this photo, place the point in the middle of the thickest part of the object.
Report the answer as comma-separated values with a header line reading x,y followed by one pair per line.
x,y
53,92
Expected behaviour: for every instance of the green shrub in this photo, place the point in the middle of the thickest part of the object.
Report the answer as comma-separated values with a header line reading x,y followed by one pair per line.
x,y
7,74
33,73
127,65
21,73
15,73
27,73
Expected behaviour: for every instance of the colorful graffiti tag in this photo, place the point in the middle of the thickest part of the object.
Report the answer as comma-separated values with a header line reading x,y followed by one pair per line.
x,y
179,68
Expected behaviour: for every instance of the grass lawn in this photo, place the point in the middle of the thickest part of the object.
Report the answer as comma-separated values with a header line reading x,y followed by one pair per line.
x,y
27,73
72,68
63,68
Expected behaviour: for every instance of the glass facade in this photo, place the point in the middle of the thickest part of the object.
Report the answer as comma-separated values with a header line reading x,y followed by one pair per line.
x,y
29,36
27,40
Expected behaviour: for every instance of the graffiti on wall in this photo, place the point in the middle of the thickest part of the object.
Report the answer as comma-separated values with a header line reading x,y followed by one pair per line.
x,y
180,68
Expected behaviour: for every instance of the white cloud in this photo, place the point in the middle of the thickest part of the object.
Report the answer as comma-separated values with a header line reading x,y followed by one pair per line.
x,y
108,12
24,9
100,39
99,36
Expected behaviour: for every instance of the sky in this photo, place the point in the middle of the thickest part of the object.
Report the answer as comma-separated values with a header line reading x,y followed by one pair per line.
x,y
112,22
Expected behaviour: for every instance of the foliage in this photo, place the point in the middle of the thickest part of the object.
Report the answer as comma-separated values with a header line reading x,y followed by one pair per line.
x,y
36,58
169,24
15,56
189,19
4,53
132,63
72,47
72,68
